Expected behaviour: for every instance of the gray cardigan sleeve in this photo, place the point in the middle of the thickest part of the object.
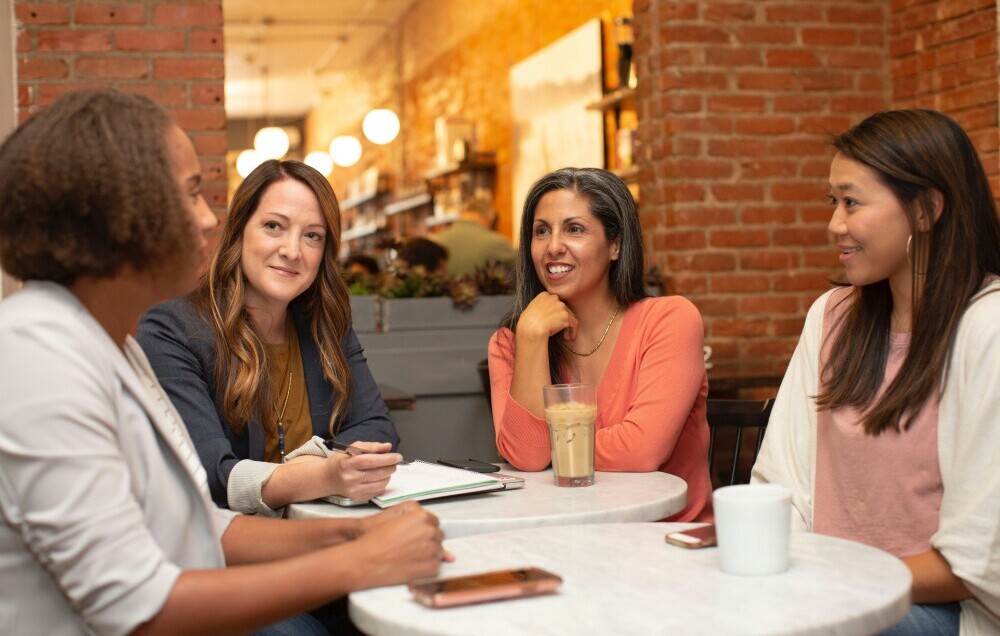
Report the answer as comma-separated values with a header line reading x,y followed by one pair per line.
x,y
366,418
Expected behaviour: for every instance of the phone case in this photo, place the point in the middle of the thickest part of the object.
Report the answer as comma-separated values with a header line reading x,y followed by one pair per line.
x,y
481,588
694,538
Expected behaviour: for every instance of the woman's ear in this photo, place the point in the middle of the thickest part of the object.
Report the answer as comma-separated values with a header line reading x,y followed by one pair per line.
x,y
616,247
936,200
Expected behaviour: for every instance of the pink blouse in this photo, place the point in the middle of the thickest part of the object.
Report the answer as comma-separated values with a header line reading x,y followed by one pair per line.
x,y
883,491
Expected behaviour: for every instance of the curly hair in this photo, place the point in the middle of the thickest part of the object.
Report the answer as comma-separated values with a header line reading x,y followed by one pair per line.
x,y
85,190
242,383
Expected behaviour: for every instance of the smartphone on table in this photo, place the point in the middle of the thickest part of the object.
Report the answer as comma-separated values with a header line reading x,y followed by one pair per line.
x,y
470,464
488,586
702,537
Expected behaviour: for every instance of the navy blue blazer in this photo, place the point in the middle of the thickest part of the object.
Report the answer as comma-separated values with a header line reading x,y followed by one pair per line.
x,y
181,348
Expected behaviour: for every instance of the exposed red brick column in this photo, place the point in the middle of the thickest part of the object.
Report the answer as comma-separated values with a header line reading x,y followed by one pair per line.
x,y
736,100
169,51
944,56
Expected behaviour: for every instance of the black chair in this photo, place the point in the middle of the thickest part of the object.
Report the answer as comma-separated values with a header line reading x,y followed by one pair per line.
x,y
484,376
732,417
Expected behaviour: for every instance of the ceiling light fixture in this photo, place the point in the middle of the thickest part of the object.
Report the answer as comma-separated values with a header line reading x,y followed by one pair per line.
x,y
380,126
271,142
345,150
321,161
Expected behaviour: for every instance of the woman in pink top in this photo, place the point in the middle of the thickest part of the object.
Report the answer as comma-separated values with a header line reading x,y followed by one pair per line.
x,y
581,315
886,424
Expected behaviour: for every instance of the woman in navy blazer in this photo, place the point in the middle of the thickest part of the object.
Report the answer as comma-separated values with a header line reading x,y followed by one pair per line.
x,y
261,360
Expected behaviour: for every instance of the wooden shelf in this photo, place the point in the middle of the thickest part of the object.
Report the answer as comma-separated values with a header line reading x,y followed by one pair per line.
x,y
629,174
613,98
409,203
359,232
354,202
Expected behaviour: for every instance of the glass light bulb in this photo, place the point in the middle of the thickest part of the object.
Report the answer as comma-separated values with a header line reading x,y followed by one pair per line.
x,y
380,126
321,161
271,142
246,161
345,150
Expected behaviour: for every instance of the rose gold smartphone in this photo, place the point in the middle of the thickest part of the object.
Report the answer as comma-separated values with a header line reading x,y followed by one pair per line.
x,y
480,588
703,537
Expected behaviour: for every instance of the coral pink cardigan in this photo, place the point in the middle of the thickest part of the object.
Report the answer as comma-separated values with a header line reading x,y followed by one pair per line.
x,y
650,402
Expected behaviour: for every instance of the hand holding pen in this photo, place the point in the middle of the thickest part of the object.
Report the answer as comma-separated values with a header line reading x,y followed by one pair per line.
x,y
362,469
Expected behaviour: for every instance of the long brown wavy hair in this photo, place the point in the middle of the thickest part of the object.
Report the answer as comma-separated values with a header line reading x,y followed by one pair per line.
x,y
243,389
916,154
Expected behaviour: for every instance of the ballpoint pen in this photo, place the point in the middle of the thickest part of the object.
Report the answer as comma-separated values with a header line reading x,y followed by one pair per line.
x,y
347,449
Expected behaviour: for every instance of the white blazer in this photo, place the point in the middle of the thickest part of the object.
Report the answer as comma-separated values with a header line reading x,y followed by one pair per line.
x,y
102,496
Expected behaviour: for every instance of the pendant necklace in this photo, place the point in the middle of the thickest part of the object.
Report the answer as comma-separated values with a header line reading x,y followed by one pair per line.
x,y
599,342
281,417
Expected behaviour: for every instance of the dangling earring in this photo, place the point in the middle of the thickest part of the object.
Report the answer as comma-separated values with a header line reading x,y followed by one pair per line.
x,y
909,259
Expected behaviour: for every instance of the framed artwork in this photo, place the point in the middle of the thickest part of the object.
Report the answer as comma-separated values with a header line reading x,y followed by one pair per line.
x,y
552,128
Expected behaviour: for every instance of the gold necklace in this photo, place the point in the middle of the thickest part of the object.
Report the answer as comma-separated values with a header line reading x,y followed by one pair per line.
x,y
599,342
281,416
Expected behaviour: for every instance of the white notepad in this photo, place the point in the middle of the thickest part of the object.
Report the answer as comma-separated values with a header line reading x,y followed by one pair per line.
x,y
419,480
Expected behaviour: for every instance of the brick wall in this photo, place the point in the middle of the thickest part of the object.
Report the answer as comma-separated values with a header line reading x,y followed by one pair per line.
x,y
452,57
169,51
944,56
736,100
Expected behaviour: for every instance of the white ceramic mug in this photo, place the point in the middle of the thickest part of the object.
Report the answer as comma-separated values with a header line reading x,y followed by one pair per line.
x,y
753,522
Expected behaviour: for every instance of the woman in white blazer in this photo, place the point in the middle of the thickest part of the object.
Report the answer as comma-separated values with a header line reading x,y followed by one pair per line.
x,y
108,524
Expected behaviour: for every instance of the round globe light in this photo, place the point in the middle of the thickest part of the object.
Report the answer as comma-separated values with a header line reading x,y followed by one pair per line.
x,y
380,126
271,142
246,161
321,161
345,150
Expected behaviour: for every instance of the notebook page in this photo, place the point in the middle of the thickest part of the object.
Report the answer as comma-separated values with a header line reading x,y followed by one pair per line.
x,y
418,478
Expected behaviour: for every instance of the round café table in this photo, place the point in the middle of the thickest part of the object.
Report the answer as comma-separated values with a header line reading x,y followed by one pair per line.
x,y
613,497
625,579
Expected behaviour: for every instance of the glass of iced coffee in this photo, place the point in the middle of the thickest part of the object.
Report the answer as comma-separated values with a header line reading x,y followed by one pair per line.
x,y
571,413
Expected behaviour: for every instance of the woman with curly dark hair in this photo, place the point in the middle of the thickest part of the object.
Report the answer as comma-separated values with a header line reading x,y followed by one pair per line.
x,y
108,526
261,360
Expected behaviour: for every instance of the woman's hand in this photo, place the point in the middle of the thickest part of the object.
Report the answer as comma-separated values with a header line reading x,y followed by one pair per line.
x,y
545,316
361,476
401,544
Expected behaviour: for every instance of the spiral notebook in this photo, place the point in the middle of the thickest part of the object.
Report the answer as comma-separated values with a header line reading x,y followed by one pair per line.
x,y
419,480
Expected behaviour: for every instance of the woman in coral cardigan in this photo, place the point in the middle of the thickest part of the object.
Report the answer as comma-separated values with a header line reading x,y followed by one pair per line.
x,y
581,315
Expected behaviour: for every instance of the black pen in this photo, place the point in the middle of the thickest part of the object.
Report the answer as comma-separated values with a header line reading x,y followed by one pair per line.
x,y
347,449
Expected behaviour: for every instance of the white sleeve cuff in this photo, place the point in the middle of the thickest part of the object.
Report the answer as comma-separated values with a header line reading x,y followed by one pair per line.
x,y
314,446
246,481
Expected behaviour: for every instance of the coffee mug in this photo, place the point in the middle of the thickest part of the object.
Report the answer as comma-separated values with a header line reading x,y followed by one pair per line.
x,y
753,523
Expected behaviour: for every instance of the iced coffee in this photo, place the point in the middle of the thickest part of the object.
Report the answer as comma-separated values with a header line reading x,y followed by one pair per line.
x,y
571,413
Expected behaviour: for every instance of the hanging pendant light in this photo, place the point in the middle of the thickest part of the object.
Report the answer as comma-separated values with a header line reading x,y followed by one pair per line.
x,y
345,150
271,142
321,161
380,126
247,161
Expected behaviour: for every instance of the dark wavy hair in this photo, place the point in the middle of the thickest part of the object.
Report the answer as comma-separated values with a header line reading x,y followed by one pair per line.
x,y
610,200
916,154
242,384
86,190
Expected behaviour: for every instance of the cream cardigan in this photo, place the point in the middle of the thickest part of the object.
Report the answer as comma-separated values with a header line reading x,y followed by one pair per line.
x,y
968,449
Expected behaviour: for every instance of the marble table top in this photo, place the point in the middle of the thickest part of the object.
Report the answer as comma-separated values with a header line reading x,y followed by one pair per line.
x,y
625,579
613,497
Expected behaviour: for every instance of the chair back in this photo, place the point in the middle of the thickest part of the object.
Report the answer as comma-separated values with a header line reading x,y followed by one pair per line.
x,y
727,419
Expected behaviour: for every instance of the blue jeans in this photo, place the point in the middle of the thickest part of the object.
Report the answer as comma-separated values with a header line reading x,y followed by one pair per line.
x,y
928,620
301,625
